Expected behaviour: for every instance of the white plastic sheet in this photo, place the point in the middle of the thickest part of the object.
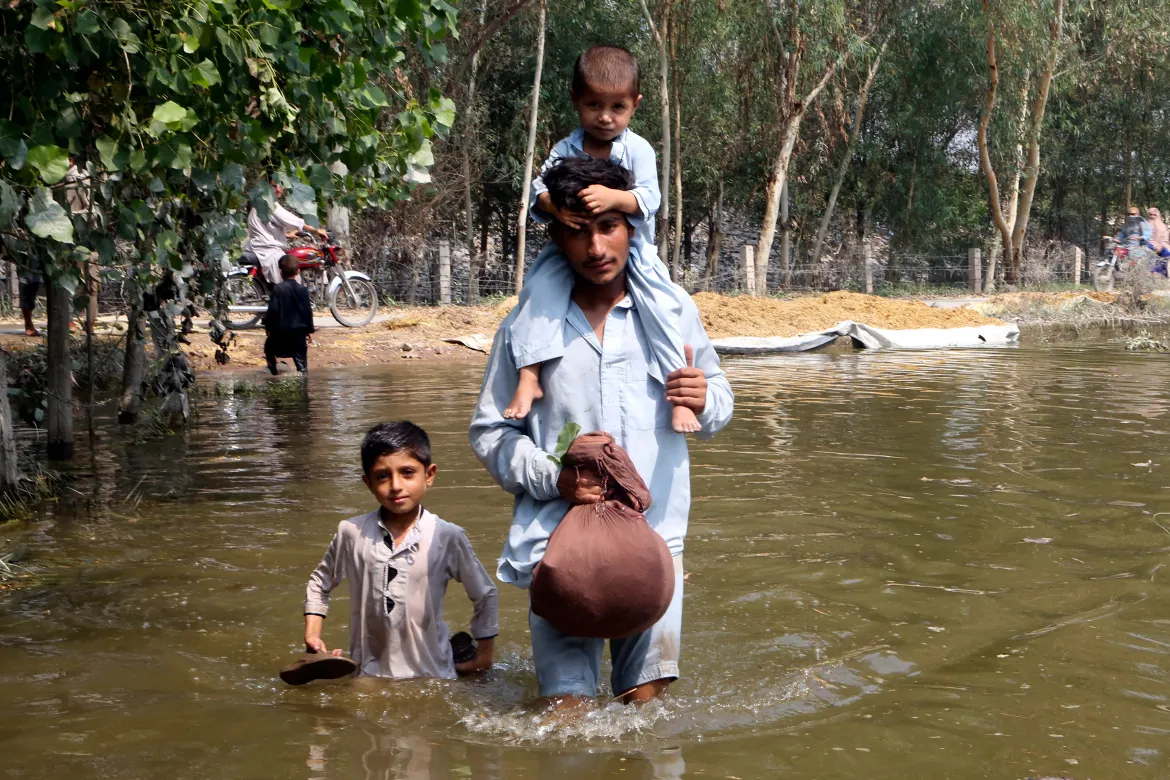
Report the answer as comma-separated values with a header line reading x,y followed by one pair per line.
x,y
874,338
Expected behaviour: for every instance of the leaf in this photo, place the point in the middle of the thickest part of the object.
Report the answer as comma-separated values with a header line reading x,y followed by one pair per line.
x,y
169,113
51,162
86,23
12,144
302,199
108,151
444,111
565,440
176,155
47,219
126,37
233,177
374,96
11,203
204,74
44,19
262,199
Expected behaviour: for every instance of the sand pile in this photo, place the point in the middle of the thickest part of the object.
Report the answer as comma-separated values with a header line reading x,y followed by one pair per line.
x,y
1048,299
447,321
725,316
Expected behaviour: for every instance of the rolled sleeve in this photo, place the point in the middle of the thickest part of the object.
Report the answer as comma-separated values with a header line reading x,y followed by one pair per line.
x,y
560,151
644,164
323,580
485,619
503,446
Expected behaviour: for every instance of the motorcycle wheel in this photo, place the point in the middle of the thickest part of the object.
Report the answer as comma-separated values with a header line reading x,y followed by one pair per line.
x,y
243,291
1103,280
354,311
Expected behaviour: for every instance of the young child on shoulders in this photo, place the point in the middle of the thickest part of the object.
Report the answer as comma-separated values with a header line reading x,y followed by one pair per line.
x,y
398,560
289,319
606,92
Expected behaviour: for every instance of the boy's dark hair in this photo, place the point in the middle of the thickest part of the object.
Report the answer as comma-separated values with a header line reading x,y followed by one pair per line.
x,y
398,436
289,266
607,66
567,178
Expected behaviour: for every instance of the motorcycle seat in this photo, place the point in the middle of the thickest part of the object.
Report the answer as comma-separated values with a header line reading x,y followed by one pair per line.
x,y
247,262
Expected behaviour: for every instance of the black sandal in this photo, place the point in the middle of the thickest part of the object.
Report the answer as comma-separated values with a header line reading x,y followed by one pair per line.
x,y
317,666
463,648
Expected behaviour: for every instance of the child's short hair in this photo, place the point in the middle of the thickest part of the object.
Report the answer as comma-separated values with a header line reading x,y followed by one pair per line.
x,y
289,266
397,436
607,66
567,178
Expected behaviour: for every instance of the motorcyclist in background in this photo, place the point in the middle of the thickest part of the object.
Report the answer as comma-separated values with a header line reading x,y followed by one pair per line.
x,y
267,242
1136,232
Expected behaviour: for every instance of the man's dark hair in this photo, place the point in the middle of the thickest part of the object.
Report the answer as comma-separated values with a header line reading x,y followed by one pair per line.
x,y
602,67
289,266
398,436
567,178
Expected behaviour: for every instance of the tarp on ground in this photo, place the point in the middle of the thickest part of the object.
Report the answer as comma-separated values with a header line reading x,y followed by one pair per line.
x,y
873,338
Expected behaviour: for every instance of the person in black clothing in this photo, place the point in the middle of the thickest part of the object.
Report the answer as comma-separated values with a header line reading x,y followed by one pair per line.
x,y
289,319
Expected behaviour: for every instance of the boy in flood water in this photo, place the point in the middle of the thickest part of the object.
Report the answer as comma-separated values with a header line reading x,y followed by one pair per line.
x,y
605,93
398,560
289,319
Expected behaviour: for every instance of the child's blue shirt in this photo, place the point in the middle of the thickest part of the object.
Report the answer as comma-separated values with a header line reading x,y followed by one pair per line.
x,y
629,150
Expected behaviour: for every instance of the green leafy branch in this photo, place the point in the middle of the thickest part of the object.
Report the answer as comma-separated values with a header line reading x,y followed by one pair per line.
x,y
568,435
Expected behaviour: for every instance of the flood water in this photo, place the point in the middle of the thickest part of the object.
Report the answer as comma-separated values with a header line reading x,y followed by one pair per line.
x,y
944,565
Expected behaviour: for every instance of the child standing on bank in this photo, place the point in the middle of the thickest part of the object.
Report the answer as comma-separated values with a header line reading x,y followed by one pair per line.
x,y
398,560
289,319
606,92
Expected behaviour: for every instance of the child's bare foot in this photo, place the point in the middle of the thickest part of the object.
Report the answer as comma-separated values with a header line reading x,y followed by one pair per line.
x,y
528,390
31,332
683,420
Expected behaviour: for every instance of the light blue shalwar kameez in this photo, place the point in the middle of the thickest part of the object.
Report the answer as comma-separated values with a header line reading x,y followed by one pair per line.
x,y
602,386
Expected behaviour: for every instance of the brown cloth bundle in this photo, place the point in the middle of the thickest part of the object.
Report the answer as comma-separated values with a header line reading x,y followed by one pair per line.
x,y
605,573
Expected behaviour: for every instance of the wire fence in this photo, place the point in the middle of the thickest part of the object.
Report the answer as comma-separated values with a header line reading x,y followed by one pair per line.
x,y
440,272
412,270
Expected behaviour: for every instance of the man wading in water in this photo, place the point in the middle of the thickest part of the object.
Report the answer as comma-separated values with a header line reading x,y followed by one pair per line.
x,y
602,384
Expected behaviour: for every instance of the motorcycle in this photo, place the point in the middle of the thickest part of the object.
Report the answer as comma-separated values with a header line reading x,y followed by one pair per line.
x,y
350,295
1121,261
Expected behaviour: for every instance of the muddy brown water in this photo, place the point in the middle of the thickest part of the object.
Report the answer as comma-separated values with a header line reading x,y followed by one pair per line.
x,y
946,565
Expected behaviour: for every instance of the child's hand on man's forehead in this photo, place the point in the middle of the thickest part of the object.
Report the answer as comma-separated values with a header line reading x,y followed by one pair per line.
x,y
599,199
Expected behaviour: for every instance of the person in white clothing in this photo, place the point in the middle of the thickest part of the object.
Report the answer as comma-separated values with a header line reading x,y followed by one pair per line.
x,y
268,241
398,560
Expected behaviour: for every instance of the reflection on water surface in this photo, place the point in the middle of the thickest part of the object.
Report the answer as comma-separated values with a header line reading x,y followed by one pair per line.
x,y
900,565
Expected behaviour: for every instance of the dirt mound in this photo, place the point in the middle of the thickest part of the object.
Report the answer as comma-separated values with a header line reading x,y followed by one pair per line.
x,y
1051,299
725,316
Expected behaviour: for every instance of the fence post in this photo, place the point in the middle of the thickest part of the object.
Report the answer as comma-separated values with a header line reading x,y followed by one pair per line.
x,y
444,272
867,267
975,269
1078,264
748,257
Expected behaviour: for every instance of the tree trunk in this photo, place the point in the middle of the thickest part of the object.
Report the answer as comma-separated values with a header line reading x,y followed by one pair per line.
x,y
858,115
664,94
777,181
522,221
59,379
9,470
1005,231
468,137
714,240
785,237
133,367
676,267
1023,212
